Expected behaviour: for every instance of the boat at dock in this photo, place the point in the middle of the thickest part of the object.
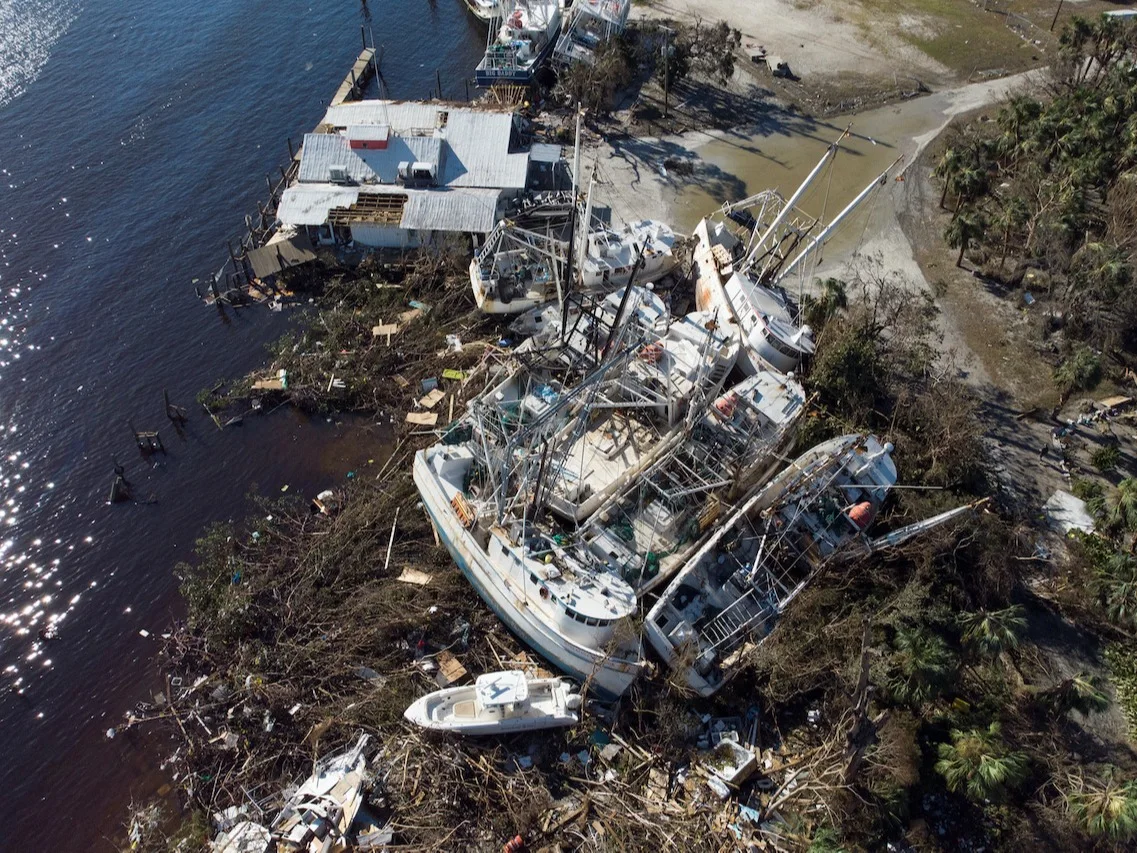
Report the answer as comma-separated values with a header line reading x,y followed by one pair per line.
x,y
498,703
525,39
484,10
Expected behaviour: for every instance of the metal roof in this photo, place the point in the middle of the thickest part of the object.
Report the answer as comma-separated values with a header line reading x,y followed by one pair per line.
x,y
477,141
309,205
464,210
269,260
364,165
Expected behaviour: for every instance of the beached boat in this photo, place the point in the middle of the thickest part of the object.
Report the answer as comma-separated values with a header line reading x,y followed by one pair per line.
x,y
519,269
654,527
746,254
318,817
576,618
498,703
585,317
526,37
485,10
739,582
592,23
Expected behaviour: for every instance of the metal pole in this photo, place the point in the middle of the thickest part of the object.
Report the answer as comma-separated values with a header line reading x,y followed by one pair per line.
x,y
1057,12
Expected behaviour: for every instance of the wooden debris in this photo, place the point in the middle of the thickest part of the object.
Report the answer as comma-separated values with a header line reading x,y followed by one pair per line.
x,y
450,671
422,418
429,401
401,380
268,385
414,576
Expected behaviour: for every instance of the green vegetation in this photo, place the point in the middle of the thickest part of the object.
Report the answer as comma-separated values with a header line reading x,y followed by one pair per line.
x,y
1051,185
1104,808
979,763
1122,660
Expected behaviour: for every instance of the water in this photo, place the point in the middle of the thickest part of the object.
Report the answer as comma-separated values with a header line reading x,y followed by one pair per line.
x,y
133,139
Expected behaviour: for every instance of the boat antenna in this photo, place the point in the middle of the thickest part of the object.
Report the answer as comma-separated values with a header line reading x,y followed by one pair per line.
x,y
572,225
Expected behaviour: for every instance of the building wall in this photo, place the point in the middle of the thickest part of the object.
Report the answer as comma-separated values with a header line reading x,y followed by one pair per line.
x,y
385,236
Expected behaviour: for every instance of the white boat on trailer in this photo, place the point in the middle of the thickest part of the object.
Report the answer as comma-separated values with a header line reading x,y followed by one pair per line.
x,y
498,703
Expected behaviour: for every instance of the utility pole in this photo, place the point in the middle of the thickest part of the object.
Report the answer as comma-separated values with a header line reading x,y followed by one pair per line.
x,y
1057,12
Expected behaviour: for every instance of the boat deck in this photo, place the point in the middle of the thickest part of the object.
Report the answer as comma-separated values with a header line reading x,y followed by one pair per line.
x,y
614,445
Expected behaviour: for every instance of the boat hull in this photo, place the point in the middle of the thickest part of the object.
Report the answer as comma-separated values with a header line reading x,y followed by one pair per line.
x,y
489,76
609,678
485,15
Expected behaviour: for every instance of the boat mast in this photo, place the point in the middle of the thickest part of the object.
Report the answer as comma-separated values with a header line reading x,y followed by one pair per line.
x,y
879,181
830,152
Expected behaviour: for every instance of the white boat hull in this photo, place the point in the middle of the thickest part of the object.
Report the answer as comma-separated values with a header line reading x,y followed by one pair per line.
x,y
606,676
457,710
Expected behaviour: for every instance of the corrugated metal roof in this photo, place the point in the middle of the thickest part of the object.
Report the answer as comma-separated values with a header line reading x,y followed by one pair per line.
x,y
545,152
477,140
324,150
464,210
309,205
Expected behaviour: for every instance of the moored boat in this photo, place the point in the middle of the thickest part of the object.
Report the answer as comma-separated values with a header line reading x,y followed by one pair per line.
x,y
485,10
522,43
498,703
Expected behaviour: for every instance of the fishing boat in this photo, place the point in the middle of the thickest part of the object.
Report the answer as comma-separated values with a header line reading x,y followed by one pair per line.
x,y
526,37
651,531
731,594
318,817
520,269
485,10
592,23
584,316
577,619
746,254
610,258
744,576
498,703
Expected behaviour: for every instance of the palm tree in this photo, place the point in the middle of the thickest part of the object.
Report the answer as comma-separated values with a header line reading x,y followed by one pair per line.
x,y
923,665
1083,693
1104,808
992,632
966,225
946,170
979,764
818,309
1116,588
1122,512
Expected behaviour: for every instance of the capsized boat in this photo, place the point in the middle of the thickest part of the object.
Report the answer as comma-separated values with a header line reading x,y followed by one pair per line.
x,y
318,817
744,576
526,37
498,703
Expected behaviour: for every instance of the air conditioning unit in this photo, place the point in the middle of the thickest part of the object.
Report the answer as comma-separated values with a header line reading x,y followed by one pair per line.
x,y
337,174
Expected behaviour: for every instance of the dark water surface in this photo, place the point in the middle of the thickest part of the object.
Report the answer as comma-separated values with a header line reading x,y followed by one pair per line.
x,y
133,139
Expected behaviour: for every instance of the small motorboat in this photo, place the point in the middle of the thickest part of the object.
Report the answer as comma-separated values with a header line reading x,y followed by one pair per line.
x,y
498,703
318,817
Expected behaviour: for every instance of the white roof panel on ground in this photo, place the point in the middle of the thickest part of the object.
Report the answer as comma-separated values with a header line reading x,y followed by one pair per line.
x,y
309,205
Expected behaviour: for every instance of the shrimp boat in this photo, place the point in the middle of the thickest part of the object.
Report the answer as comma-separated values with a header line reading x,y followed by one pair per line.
x,y
651,530
744,256
498,703
485,10
592,23
526,37
519,269
534,442
743,577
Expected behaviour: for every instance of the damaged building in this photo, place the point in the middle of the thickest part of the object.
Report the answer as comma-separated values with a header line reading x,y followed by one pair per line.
x,y
391,174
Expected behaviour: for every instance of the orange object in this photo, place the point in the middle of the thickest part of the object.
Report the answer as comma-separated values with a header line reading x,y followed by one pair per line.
x,y
514,845
862,514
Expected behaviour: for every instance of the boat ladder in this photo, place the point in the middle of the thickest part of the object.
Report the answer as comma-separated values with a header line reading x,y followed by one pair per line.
x,y
736,620
466,514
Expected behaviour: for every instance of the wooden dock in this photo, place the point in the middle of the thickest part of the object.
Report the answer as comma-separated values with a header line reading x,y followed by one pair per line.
x,y
357,79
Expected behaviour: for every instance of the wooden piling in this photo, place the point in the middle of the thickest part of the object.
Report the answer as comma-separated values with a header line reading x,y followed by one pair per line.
x,y
438,79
